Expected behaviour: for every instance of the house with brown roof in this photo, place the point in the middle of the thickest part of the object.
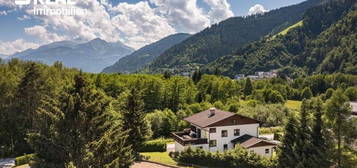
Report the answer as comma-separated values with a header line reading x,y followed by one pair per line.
x,y
217,130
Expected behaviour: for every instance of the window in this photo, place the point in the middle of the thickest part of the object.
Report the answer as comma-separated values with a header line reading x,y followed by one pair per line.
x,y
235,122
236,132
225,147
212,130
224,133
212,143
267,151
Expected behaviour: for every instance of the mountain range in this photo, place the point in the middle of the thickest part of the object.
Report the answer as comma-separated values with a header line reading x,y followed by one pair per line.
x,y
145,55
228,36
90,56
325,41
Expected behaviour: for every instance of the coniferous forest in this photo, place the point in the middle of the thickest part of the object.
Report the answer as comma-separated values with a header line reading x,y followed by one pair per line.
x,y
68,118
52,116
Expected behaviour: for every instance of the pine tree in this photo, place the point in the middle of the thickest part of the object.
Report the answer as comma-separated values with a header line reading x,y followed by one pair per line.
x,y
30,92
69,134
248,87
134,116
111,149
319,143
287,155
303,136
197,75
338,112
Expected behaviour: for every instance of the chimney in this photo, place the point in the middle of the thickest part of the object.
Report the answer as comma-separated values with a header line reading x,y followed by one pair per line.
x,y
212,112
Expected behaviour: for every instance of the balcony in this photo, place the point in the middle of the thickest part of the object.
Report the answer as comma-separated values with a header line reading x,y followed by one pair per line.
x,y
185,139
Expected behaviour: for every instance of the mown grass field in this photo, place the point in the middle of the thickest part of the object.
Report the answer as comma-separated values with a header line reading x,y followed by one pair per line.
x,y
293,105
160,157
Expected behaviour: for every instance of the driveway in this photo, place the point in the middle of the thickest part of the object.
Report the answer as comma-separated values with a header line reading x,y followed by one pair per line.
x,y
147,165
7,163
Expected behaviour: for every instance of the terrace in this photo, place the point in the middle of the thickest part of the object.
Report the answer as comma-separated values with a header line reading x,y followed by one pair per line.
x,y
184,138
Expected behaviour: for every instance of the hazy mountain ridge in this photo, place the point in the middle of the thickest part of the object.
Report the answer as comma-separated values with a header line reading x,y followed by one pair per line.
x,y
145,55
91,56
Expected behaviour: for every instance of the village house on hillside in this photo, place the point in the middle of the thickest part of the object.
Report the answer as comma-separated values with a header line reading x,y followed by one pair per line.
x,y
216,130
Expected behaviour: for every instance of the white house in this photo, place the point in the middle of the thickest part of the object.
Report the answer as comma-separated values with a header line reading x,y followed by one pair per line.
x,y
354,109
216,130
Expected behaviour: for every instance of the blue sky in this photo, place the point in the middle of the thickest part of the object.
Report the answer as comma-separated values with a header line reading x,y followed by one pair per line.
x,y
133,22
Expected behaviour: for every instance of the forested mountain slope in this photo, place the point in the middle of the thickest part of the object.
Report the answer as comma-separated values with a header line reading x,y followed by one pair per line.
x,y
139,58
325,43
223,38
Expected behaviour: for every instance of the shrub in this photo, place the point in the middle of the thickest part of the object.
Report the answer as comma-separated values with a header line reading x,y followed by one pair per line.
x,y
24,159
158,145
238,157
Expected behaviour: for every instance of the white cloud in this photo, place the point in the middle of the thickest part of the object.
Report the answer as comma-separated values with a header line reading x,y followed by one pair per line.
x,y
135,24
3,13
139,24
8,48
184,14
220,10
257,9
7,3
24,17
42,34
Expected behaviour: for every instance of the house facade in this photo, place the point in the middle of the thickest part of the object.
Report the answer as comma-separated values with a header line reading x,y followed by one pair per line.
x,y
216,130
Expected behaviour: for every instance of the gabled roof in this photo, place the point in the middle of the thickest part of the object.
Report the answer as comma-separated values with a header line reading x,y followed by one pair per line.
x,y
204,119
248,141
354,108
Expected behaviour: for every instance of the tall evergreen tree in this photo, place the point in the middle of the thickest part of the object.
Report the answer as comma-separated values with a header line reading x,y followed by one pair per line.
x,y
68,132
248,87
319,143
287,155
132,109
303,137
338,112
197,75
30,92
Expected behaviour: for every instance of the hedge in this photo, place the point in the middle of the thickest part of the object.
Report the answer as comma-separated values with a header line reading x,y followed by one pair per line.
x,y
238,157
153,146
24,159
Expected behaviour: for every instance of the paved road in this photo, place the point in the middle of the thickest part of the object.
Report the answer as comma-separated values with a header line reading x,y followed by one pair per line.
x,y
7,163
147,165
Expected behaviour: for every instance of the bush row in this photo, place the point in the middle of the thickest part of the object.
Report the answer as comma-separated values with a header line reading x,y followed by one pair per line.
x,y
158,145
237,157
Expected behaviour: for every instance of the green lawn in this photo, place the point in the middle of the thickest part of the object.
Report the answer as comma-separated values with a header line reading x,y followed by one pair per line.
x,y
160,157
292,104
285,31
22,166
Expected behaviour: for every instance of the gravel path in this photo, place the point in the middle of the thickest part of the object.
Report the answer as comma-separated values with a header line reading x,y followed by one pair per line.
x,y
147,165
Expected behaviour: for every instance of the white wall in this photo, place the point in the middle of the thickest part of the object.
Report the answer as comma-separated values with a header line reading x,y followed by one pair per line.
x,y
261,151
250,129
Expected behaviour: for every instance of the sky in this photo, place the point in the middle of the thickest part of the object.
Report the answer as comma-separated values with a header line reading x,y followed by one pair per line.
x,y
135,23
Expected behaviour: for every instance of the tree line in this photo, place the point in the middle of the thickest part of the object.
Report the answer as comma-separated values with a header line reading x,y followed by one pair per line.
x,y
74,119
